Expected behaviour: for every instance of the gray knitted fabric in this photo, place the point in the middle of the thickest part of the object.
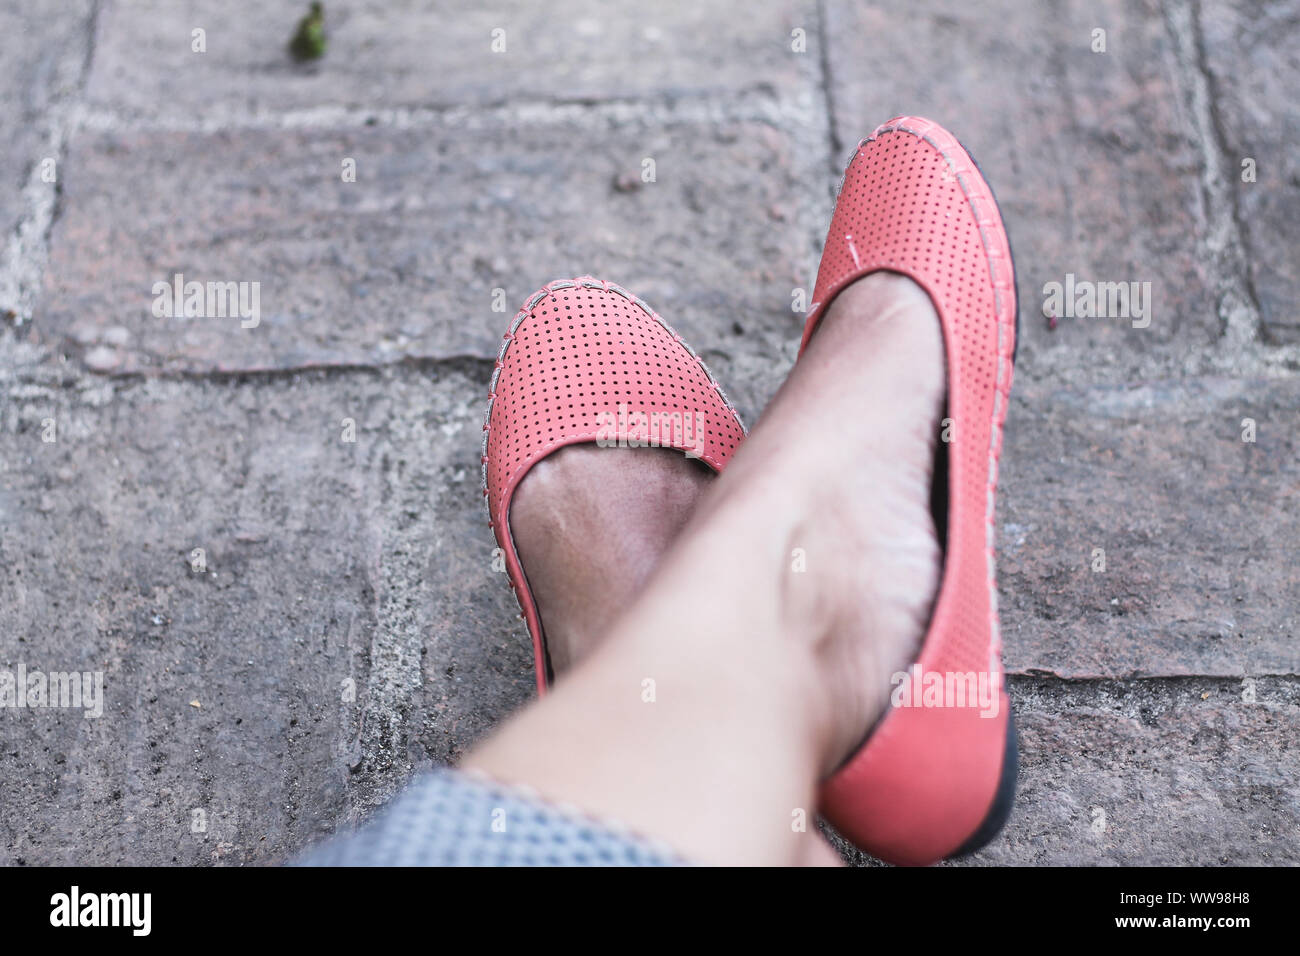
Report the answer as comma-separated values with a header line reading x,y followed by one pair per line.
x,y
447,818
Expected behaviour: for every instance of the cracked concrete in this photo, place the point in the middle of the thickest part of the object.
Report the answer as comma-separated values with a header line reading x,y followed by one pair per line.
x,y
346,628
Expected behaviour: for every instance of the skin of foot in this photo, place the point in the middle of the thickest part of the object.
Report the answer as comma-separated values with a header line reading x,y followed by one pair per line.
x,y
863,409
590,525
753,661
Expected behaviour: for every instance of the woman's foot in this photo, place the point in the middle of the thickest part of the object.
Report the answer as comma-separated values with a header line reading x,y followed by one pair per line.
x,y
761,651
936,778
585,362
758,654
860,411
850,442
590,525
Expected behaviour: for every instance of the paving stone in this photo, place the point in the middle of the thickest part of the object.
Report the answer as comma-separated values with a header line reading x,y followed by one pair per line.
x,y
1155,773
1251,54
404,262
225,690
1089,153
429,56
42,48
1190,772
1200,530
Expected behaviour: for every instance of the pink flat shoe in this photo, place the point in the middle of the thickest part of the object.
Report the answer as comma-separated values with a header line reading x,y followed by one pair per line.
x,y
585,361
937,775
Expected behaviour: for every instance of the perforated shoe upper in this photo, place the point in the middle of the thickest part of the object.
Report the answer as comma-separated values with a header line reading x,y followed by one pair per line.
x,y
913,202
586,361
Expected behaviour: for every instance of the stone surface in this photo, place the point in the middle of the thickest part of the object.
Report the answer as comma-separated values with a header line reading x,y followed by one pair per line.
x,y
1252,55
428,55
1091,158
1140,773
43,47
1157,701
404,262
1182,770
225,690
1199,530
